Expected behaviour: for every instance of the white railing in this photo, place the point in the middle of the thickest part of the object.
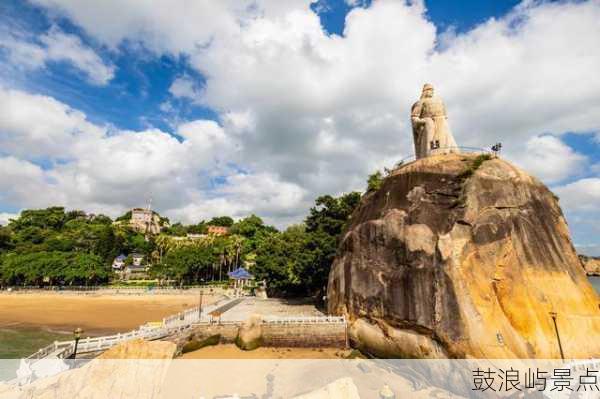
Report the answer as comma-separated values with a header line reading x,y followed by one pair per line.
x,y
304,320
192,315
169,325
65,349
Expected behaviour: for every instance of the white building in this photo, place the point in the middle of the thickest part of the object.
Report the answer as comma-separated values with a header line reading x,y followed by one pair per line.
x,y
119,262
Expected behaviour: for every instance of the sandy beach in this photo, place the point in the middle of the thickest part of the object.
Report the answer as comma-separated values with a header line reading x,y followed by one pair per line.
x,y
95,314
230,351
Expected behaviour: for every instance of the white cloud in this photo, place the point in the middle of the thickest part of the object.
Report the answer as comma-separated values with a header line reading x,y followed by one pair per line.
x,y
165,25
581,195
5,217
34,126
318,101
242,194
108,171
548,158
24,54
579,200
56,45
25,184
185,87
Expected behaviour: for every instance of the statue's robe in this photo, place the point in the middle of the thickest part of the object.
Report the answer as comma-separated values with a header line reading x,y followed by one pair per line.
x,y
431,132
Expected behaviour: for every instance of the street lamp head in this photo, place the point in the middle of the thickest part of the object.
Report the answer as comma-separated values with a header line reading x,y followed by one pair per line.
x,y
78,331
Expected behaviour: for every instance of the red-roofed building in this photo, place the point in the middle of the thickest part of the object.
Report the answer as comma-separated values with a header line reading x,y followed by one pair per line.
x,y
218,230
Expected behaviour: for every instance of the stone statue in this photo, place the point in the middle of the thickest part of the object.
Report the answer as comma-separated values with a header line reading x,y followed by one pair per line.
x,y
431,132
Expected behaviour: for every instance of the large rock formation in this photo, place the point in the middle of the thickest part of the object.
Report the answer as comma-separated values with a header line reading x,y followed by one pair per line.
x,y
133,369
463,256
591,265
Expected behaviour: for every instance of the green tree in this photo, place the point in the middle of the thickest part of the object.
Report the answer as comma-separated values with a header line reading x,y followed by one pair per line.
x,y
199,228
281,260
325,224
49,218
225,221
188,264
6,242
55,267
102,219
176,229
374,182
124,217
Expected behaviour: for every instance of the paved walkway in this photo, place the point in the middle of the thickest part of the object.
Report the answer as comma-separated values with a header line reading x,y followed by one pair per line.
x,y
268,307
235,310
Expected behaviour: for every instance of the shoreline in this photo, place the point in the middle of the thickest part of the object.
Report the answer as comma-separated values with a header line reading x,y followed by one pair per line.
x,y
125,291
95,314
29,321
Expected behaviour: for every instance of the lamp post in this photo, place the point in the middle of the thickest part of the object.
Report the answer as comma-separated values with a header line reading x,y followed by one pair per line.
x,y
553,315
77,333
200,301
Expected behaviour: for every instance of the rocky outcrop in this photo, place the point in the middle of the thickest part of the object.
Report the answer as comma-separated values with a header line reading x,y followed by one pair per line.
x,y
140,349
463,256
250,333
107,376
591,265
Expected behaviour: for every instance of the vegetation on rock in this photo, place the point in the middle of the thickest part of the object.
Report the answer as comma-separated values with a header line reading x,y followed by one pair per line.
x,y
194,344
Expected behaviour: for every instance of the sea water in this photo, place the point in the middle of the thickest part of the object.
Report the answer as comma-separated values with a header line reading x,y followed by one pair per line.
x,y
23,341
595,280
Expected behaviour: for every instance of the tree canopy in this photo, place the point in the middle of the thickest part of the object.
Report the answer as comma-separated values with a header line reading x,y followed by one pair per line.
x,y
54,246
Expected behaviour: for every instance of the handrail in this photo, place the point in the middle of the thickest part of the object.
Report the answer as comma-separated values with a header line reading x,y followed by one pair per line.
x,y
169,325
304,320
178,322
463,149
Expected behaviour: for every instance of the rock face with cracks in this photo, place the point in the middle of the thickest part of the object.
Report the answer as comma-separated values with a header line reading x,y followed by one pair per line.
x,y
463,256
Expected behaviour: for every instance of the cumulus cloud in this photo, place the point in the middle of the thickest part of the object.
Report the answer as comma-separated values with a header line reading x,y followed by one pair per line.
x,y
583,194
5,217
98,169
326,109
23,183
56,45
35,126
580,201
163,25
242,194
548,158
320,112
185,87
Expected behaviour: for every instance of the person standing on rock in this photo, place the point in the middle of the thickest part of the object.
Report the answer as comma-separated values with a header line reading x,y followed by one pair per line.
x,y
431,132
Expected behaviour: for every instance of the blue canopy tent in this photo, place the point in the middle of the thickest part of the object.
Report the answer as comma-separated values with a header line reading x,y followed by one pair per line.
x,y
240,277
240,274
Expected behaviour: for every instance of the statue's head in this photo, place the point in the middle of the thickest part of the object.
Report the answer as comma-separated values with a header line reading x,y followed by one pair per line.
x,y
427,90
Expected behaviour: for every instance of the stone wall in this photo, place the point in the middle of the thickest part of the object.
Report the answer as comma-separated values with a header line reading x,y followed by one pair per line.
x,y
274,335
304,335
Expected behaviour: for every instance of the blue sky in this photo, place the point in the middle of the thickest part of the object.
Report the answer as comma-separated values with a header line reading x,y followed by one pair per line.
x,y
133,98
232,108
